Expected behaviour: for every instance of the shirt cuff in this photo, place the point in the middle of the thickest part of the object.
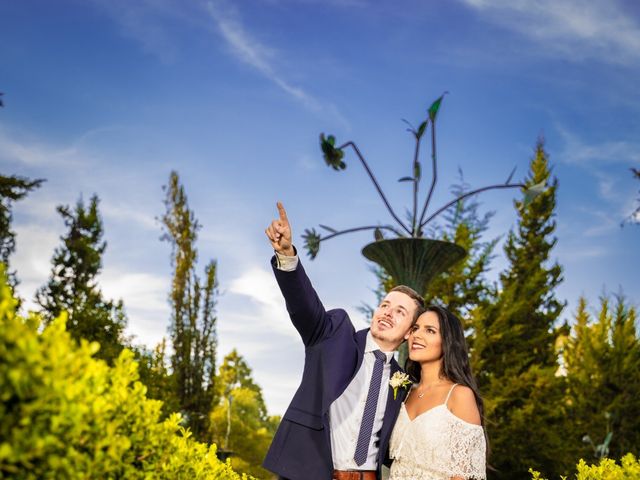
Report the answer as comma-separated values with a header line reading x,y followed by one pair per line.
x,y
286,263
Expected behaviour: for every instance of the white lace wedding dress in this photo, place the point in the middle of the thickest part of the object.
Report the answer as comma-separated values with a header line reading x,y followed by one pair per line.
x,y
436,445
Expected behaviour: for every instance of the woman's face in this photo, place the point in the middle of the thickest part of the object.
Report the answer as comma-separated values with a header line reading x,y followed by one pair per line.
x,y
425,340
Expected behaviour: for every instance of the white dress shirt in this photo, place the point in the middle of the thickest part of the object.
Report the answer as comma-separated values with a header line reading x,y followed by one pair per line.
x,y
345,413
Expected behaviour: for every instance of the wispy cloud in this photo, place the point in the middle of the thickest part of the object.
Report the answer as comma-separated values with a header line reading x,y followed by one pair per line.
x,y
247,49
34,154
607,162
610,152
573,29
143,21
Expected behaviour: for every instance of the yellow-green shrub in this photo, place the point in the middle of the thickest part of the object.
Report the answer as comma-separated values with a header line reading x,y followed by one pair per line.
x,y
607,469
65,414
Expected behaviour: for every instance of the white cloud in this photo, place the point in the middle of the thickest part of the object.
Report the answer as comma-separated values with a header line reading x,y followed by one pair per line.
x,y
32,259
573,29
259,287
145,299
124,212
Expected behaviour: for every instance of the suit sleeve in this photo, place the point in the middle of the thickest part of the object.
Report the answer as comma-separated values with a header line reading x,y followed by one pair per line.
x,y
306,311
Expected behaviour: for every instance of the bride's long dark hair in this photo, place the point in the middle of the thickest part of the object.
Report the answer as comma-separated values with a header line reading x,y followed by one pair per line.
x,y
455,356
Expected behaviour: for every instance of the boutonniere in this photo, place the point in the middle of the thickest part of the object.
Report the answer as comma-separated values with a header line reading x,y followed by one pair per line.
x,y
399,380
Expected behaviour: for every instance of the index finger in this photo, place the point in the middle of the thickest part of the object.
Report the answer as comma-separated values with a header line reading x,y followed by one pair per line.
x,y
282,212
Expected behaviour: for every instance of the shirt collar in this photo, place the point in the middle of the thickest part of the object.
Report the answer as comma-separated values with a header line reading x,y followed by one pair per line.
x,y
371,345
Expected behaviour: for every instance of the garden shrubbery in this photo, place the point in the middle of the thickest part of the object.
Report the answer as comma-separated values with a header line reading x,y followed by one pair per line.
x,y
65,414
607,469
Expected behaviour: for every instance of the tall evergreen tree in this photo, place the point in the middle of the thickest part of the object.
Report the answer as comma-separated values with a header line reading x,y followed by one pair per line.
x,y
602,361
73,284
12,189
193,320
514,354
239,421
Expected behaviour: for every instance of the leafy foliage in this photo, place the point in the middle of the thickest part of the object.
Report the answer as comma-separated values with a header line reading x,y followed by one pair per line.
x,y
154,374
66,414
606,469
73,286
239,422
193,320
602,361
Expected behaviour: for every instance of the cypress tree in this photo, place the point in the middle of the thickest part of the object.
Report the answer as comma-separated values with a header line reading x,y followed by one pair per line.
x,y
193,320
73,284
602,361
239,421
514,348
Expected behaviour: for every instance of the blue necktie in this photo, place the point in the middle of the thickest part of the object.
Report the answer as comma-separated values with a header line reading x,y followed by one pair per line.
x,y
366,427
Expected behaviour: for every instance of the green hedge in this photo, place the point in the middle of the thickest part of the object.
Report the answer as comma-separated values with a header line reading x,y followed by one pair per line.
x,y
607,469
65,414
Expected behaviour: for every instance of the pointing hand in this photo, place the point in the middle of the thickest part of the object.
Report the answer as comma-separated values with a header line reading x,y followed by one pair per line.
x,y
279,233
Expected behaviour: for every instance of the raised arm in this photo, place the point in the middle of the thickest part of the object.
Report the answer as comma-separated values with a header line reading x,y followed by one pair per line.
x,y
305,308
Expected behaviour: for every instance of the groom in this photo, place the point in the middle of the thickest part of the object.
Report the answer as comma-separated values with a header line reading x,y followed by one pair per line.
x,y
339,421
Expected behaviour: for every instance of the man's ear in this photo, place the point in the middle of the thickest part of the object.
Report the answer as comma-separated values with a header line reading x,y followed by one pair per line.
x,y
406,336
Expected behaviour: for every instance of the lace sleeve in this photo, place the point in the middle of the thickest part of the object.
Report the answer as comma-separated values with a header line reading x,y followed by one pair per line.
x,y
467,451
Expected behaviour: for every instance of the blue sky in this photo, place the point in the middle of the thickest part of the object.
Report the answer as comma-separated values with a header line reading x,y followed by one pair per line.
x,y
108,97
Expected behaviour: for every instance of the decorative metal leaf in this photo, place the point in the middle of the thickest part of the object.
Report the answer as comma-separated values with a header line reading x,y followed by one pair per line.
x,y
435,106
332,156
311,242
533,191
422,128
406,179
377,234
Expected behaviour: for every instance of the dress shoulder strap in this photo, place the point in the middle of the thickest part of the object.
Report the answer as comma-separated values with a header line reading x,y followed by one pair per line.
x,y
446,400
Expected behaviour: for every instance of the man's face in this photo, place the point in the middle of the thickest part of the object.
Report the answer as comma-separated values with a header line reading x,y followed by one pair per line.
x,y
392,320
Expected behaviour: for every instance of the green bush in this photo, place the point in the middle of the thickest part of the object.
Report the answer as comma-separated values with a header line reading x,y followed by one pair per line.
x,y
65,414
607,469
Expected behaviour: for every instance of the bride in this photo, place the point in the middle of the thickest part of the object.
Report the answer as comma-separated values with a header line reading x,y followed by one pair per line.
x,y
439,434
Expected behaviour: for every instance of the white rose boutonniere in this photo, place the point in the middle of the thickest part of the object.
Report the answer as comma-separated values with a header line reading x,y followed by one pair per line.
x,y
399,380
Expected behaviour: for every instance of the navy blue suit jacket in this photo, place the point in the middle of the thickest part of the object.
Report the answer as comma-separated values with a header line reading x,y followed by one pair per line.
x,y
301,448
